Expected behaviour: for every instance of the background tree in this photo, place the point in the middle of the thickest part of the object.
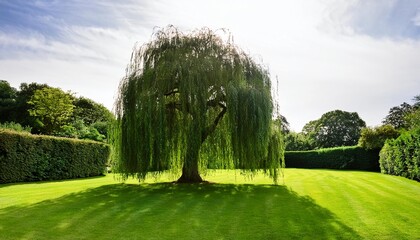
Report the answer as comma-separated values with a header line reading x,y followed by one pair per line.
x,y
334,129
90,112
412,119
416,100
396,116
309,131
94,116
404,116
374,138
26,91
193,99
8,96
53,107
297,142
285,125
90,120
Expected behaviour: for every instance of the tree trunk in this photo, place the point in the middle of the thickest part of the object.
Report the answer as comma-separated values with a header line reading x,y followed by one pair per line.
x,y
190,172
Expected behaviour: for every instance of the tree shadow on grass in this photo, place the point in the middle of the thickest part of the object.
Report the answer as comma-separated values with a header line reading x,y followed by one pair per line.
x,y
175,211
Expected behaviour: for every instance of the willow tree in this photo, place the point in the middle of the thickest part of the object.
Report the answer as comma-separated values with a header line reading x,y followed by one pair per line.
x,y
191,101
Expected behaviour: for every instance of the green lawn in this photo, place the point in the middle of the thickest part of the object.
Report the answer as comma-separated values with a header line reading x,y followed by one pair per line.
x,y
312,204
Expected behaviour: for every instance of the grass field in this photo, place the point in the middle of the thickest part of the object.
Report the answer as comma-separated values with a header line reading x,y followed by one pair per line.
x,y
312,204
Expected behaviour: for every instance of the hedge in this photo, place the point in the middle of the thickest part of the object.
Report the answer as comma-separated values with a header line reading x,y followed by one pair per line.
x,y
25,157
351,158
401,156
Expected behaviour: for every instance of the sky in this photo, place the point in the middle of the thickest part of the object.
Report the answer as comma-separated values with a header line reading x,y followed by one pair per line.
x,y
354,55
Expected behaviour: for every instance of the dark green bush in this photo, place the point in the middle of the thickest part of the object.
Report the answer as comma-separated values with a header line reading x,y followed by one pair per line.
x,y
401,156
351,158
26,157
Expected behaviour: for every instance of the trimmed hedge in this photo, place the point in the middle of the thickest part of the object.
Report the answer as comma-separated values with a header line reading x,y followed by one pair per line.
x,y
25,157
351,158
401,156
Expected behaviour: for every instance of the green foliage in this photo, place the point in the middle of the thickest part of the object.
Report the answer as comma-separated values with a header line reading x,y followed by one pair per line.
x,y
53,107
285,125
310,128
401,156
90,112
374,138
7,94
102,127
7,101
349,158
397,115
14,107
416,100
189,101
21,111
79,130
297,142
26,157
93,134
15,127
412,119
334,129
96,119
91,120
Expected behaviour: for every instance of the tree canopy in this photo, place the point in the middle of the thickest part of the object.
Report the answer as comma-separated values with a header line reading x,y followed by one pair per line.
x,y
374,138
397,114
294,141
285,125
189,101
7,93
334,129
404,116
7,100
90,112
53,107
25,93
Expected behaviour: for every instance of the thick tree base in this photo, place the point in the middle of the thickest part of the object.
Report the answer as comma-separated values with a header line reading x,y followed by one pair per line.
x,y
191,178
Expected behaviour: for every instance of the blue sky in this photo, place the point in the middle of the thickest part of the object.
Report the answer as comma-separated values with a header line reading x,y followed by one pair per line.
x,y
358,55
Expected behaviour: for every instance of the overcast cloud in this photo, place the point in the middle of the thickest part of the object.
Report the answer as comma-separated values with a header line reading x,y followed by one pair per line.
x,y
361,56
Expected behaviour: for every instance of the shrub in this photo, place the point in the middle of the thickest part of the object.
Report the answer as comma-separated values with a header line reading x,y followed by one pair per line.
x,y
26,157
15,126
102,127
352,158
401,156
79,130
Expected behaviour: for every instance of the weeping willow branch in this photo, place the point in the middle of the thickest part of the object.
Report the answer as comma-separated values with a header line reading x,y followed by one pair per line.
x,y
191,100
210,129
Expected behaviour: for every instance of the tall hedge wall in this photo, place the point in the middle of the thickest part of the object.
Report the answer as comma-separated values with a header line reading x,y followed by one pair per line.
x,y
26,157
401,156
351,158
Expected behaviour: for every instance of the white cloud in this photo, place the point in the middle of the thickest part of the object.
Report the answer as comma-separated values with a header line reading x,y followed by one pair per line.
x,y
416,19
394,19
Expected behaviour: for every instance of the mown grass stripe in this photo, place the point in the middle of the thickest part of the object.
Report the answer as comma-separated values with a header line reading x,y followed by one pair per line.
x,y
313,204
